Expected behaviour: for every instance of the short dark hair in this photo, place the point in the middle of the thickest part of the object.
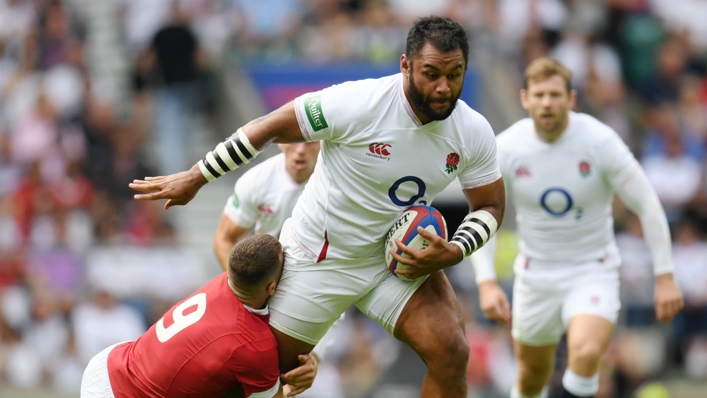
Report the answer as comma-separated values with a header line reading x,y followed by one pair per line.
x,y
443,33
255,260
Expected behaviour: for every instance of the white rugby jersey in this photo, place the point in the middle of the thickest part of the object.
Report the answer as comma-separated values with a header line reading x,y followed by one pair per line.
x,y
264,197
376,160
563,189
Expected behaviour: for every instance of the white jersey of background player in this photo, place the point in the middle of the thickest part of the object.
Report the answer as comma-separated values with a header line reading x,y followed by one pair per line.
x,y
561,170
386,144
263,197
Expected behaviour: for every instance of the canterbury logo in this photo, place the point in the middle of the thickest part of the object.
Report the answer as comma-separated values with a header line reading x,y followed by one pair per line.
x,y
379,148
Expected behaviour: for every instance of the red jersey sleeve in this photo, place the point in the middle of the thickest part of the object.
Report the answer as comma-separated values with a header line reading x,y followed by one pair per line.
x,y
255,369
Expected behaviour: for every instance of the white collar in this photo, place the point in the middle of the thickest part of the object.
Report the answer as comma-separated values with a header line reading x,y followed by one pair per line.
x,y
263,311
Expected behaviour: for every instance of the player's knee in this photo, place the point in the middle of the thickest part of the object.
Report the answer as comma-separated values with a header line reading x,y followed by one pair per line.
x,y
586,353
532,377
530,382
449,350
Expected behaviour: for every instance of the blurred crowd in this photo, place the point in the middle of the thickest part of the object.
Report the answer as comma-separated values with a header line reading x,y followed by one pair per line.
x,y
69,146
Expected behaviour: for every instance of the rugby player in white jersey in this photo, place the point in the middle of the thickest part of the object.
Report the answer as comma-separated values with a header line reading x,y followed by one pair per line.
x,y
561,170
386,144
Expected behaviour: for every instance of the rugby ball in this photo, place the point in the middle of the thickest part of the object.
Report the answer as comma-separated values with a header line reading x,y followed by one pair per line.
x,y
405,229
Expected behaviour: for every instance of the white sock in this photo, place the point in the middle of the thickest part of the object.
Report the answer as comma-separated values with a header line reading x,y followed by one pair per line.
x,y
516,394
579,385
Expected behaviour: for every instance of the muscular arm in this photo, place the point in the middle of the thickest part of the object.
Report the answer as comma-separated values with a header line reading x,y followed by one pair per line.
x,y
227,234
476,229
491,197
279,126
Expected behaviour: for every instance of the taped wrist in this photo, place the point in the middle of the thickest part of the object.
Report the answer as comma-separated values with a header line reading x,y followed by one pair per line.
x,y
476,229
228,156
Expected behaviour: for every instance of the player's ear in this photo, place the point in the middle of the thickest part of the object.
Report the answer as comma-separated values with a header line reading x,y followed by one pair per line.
x,y
404,65
271,287
572,99
524,98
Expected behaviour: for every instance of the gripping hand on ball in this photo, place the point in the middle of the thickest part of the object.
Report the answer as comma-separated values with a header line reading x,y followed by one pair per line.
x,y
438,255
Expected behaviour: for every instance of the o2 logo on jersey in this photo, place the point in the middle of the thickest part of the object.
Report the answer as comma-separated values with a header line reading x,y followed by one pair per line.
x,y
556,201
182,321
421,188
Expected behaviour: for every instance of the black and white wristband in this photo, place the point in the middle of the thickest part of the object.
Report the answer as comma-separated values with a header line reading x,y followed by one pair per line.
x,y
476,229
228,156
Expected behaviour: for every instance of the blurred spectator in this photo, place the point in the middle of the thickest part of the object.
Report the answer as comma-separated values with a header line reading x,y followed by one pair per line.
x,y
55,35
147,227
48,333
408,10
178,58
16,20
664,85
690,256
675,176
636,275
127,162
692,112
666,126
35,133
104,322
141,19
686,16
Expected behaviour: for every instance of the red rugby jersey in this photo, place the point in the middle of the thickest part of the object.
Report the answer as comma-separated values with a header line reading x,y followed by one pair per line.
x,y
202,347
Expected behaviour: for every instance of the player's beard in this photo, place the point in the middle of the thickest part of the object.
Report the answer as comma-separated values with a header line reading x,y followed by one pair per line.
x,y
557,125
418,100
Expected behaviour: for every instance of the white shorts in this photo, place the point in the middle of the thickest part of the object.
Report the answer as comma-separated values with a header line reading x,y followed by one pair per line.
x,y
95,382
547,297
310,296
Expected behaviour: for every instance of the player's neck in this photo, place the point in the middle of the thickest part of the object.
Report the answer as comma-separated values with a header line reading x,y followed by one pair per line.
x,y
252,301
298,179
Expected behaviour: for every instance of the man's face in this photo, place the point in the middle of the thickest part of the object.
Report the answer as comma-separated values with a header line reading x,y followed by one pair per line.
x,y
434,81
547,102
300,159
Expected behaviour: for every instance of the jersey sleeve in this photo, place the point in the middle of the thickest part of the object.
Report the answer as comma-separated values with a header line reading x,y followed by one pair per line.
x,y
481,167
257,371
268,393
242,206
327,114
618,162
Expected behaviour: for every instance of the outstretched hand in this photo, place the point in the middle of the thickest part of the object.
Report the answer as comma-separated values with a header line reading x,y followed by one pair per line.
x,y
179,188
438,255
301,378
